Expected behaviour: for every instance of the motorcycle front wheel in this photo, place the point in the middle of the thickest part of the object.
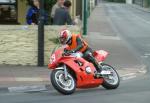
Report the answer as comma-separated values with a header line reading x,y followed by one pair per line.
x,y
110,81
63,86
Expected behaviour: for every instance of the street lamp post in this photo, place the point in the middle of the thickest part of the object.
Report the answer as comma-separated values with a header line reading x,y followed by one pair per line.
x,y
84,17
41,35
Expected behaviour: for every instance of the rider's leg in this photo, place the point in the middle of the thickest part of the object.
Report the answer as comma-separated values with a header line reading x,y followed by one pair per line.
x,y
89,56
94,61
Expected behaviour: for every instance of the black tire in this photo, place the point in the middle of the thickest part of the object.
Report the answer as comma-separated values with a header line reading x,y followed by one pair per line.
x,y
106,84
58,88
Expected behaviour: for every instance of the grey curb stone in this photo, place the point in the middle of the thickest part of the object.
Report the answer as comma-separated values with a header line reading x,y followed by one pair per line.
x,y
24,89
4,90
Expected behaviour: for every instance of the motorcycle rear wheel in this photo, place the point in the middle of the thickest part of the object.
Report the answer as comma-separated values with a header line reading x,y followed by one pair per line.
x,y
63,86
115,78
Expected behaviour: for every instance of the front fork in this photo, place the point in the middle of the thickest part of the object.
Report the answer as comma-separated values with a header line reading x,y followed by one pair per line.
x,y
65,72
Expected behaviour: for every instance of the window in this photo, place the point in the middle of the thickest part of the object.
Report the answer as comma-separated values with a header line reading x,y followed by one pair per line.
x,y
8,12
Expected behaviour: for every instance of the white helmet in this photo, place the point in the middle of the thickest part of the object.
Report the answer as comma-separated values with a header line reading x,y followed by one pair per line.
x,y
65,35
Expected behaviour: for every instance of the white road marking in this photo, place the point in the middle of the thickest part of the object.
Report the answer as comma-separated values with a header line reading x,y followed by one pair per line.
x,y
129,74
147,54
130,77
101,36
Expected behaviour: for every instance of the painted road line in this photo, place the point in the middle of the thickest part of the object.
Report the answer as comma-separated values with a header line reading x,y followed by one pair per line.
x,y
147,54
143,70
101,36
129,74
129,77
144,56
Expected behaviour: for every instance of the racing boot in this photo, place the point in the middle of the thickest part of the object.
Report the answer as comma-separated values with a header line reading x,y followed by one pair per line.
x,y
98,70
97,73
96,64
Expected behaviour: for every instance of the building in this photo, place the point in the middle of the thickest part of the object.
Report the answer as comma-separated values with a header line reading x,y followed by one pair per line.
x,y
14,11
8,12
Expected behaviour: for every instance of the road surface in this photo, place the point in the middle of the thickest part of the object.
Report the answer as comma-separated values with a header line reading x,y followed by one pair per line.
x,y
133,26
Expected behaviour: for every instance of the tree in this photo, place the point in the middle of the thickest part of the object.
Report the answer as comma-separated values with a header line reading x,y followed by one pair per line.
x,y
49,4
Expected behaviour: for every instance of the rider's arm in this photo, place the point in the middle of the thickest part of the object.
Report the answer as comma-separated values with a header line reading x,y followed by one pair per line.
x,y
79,45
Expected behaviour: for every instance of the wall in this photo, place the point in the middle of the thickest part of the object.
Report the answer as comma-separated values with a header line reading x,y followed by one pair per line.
x,y
18,44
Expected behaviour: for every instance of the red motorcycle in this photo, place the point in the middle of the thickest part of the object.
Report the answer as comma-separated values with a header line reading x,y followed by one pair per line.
x,y
71,71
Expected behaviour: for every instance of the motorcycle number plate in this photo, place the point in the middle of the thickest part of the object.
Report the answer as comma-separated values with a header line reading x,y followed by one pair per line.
x,y
105,72
52,59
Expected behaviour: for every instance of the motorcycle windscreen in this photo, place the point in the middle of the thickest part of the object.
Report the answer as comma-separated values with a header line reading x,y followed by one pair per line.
x,y
55,57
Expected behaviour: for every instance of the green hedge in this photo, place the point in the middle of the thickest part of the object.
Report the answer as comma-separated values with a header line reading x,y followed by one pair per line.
x,y
49,4
48,7
148,1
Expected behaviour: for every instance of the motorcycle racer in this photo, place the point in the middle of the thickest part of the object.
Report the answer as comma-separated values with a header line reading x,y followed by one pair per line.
x,y
77,44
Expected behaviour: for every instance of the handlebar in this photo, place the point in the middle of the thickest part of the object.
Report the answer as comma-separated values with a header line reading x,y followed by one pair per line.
x,y
67,53
78,54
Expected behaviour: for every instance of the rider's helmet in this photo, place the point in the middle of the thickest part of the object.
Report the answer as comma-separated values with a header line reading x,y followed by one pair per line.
x,y
64,36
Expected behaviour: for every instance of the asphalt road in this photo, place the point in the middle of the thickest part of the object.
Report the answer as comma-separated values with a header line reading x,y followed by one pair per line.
x,y
134,27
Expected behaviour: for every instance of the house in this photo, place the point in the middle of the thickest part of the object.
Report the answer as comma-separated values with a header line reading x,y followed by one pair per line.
x,y
14,11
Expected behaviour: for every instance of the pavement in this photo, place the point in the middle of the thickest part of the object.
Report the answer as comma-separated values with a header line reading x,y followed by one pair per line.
x,y
101,35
